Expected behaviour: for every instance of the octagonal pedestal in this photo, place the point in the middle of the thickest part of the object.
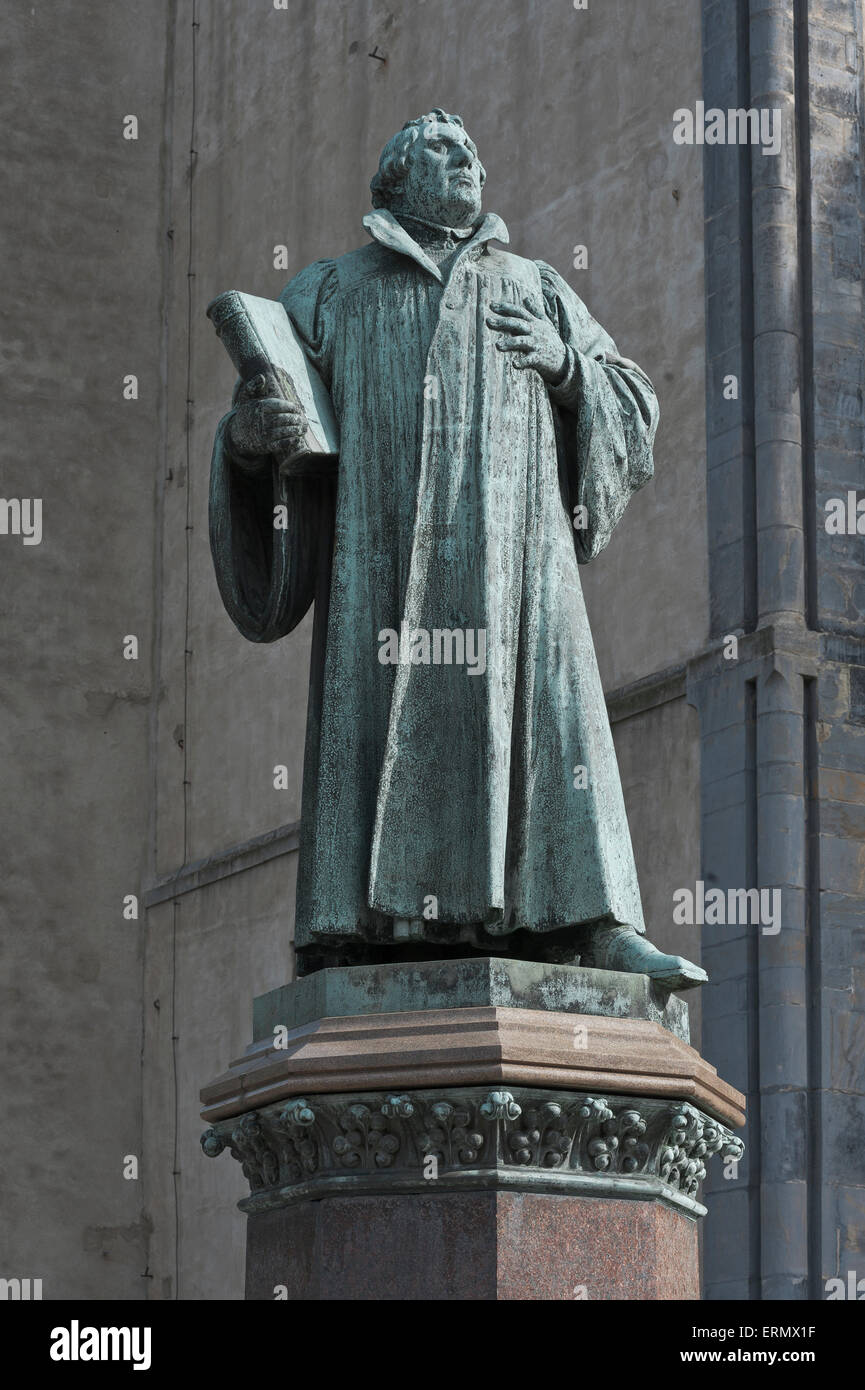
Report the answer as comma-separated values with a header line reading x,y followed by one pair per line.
x,y
482,1129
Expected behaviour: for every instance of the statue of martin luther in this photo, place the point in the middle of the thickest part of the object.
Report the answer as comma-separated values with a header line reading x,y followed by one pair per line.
x,y
491,437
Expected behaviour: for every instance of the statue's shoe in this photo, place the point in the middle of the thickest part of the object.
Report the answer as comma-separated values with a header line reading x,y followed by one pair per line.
x,y
622,948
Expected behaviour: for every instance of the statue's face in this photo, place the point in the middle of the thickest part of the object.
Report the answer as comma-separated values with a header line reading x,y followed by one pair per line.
x,y
444,178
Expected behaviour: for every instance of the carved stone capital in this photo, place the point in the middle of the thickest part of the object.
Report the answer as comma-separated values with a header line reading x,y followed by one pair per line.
x,y
456,1139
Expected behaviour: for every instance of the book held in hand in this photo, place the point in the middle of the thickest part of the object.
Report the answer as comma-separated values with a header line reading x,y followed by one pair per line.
x,y
269,357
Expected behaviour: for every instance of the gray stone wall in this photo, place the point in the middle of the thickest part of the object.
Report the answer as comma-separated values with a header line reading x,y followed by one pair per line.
x,y
83,300
781,726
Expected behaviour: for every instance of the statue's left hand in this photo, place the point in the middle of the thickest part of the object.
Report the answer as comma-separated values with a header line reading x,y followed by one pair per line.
x,y
532,338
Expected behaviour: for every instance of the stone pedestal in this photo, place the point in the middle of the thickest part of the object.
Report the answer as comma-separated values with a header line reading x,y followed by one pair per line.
x,y
472,1246
479,1129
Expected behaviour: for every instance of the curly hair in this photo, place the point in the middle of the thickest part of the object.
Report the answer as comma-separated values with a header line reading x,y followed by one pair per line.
x,y
394,162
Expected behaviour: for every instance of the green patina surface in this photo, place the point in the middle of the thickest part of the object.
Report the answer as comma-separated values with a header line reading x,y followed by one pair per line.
x,y
492,436
461,984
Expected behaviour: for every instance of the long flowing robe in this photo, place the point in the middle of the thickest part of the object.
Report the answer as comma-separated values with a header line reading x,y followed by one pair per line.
x,y
468,494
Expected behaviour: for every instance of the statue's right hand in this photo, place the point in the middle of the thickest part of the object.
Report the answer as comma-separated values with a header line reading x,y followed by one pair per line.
x,y
269,426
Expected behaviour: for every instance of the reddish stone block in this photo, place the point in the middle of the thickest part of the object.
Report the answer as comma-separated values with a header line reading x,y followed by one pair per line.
x,y
475,1246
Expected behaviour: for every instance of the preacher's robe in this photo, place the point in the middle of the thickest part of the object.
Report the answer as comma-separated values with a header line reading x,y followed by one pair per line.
x,y
428,792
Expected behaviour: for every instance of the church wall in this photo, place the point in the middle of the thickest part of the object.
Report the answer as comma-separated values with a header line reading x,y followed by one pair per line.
x,y
209,952
781,727
658,753
83,243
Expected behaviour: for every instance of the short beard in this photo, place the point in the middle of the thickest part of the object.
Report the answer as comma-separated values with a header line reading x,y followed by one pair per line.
x,y
459,215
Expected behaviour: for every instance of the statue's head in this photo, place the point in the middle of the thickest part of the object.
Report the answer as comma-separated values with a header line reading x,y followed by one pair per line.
x,y
430,169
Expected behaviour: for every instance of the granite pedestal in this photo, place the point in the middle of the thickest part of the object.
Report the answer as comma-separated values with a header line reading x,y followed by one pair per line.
x,y
478,1129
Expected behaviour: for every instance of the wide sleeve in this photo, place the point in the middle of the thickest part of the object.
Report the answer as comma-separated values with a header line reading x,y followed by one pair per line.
x,y
606,417
308,300
271,537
